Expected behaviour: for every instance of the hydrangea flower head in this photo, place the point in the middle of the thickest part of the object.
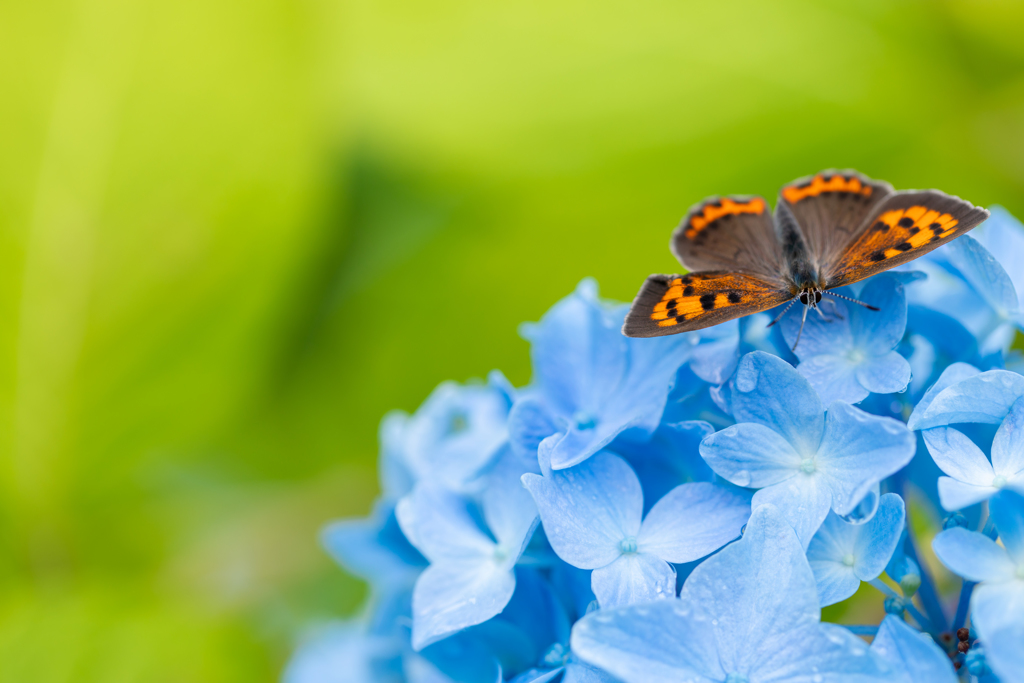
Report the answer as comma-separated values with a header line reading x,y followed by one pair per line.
x,y
803,460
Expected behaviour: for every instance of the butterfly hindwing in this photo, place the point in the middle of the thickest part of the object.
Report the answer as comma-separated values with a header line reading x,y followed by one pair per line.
x,y
669,304
830,207
903,227
728,233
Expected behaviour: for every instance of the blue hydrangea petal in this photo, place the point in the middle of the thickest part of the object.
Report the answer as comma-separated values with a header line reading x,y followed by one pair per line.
x,y
878,332
984,398
803,500
885,374
914,655
997,607
693,520
831,544
858,450
836,582
1007,510
1004,654
374,549
1003,235
866,509
984,273
579,672
958,456
633,578
877,540
956,495
974,556
656,643
578,353
715,360
768,391
756,596
440,524
835,378
396,479
343,653
452,596
539,676
1008,445
828,651
750,454
953,374
589,509
508,507
456,433
667,458
579,444
529,423
463,657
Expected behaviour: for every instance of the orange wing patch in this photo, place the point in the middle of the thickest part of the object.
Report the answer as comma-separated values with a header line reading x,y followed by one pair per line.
x,y
708,295
724,207
901,230
821,184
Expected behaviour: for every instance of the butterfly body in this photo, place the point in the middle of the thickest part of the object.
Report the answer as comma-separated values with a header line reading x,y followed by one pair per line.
x,y
827,231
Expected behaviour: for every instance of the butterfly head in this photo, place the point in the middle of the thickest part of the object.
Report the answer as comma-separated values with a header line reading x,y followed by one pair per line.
x,y
810,296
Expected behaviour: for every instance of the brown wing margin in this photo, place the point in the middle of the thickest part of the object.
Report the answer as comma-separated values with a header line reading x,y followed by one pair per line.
x,y
670,304
903,227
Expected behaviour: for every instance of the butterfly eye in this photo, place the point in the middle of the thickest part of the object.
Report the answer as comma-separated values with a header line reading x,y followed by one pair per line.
x,y
817,297
803,298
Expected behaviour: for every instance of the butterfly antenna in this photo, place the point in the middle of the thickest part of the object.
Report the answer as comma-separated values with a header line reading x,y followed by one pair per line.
x,y
801,331
846,298
779,316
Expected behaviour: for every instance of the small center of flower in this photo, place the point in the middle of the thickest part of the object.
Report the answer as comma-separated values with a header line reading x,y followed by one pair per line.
x,y
807,466
556,656
458,422
856,356
628,545
583,420
999,481
500,554
736,678
1020,571
849,560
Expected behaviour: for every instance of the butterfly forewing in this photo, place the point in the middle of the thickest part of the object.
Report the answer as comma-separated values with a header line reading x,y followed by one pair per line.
x,y
728,233
830,207
900,229
669,304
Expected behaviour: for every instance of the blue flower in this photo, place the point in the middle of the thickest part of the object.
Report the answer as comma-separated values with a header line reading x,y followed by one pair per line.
x,y
997,604
971,477
590,382
842,554
803,460
715,358
745,615
345,653
470,578
914,655
851,353
592,515
450,440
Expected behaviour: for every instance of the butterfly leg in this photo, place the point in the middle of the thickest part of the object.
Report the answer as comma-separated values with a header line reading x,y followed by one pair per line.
x,y
835,309
802,321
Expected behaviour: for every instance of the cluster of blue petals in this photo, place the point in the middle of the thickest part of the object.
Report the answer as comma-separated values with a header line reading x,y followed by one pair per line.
x,y
682,508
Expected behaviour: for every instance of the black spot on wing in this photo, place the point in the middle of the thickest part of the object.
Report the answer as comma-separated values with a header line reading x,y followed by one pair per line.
x,y
707,302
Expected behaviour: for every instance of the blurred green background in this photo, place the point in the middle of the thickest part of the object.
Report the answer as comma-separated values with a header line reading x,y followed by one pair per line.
x,y
233,234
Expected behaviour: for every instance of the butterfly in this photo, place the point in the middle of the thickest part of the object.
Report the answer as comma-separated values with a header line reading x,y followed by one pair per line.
x,y
828,230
